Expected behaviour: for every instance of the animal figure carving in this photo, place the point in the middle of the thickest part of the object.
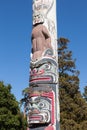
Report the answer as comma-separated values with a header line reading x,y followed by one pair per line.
x,y
41,40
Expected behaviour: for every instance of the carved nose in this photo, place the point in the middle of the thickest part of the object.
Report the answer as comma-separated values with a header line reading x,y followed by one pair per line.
x,y
35,111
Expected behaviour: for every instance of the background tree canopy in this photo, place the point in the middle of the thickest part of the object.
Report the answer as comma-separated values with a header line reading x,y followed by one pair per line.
x,y
73,107
10,116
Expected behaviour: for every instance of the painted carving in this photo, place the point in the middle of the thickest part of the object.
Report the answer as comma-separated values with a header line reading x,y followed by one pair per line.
x,y
44,71
41,40
43,6
41,9
38,18
41,111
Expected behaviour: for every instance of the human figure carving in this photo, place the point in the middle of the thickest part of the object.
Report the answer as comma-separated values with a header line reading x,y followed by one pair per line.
x,y
41,40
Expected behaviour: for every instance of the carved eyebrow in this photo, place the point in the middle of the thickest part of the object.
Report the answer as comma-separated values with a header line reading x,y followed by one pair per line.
x,y
35,101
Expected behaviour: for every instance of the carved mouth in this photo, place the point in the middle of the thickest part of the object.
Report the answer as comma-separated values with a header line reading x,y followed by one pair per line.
x,y
34,118
39,118
40,79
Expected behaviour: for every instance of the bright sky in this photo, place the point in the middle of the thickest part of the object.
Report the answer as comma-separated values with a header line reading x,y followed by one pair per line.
x,y
15,39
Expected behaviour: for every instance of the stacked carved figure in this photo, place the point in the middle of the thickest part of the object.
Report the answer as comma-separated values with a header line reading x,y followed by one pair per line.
x,y
43,105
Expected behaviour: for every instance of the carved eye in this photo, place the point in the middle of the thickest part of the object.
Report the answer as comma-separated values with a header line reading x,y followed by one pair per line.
x,y
34,71
41,105
47,66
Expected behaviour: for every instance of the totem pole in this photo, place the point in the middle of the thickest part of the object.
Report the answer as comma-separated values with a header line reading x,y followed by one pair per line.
x,y
42,108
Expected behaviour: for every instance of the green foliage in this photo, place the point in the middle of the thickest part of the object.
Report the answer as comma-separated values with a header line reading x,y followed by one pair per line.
x,y
73,108
85,93
10,116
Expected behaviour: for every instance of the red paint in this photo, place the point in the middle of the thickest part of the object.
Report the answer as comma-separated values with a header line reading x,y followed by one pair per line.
x,y
35,73
48,95
40,79
32,118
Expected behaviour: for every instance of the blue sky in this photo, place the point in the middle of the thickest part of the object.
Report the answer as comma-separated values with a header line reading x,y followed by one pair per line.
x,y
15,39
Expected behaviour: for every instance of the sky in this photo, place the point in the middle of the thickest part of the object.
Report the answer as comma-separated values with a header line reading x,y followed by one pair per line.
x,y
15,39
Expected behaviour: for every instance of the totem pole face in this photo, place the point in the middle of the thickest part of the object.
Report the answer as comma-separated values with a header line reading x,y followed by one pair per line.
x,y
39,110
45,71
37,18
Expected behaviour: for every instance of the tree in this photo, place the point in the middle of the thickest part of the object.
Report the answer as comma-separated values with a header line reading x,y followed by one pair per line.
x,y
73,108
10,116
85,93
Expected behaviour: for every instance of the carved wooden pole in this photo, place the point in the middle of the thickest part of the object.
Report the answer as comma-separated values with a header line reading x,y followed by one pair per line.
x,y
43,105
